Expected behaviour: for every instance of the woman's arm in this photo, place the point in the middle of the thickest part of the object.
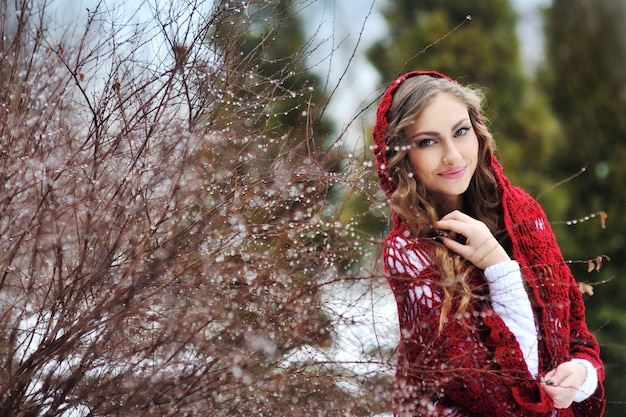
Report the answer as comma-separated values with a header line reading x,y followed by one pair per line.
x,y
509,299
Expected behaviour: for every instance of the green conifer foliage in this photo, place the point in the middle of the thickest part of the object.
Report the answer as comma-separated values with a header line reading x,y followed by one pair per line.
x,y
585,80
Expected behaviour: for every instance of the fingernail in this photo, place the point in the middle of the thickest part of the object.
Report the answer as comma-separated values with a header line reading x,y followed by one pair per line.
x,y
549,382
438,239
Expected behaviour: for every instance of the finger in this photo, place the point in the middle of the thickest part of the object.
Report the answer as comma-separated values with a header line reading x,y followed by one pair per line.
x,y
562,394
459,218
456,246
547,381
456,226
570,382
562,398
552,378
560,402
549,390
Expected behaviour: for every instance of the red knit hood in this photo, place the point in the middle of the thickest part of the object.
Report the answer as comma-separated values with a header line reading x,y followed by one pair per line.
x,y
383,152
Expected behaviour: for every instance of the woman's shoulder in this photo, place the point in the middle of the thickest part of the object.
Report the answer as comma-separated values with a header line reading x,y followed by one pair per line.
x,y
518,197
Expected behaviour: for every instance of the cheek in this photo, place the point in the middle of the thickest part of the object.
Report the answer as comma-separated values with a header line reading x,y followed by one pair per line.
x,y
472,149
418,162
422,166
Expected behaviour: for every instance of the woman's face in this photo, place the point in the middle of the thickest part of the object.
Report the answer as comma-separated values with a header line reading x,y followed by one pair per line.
x,y
444,149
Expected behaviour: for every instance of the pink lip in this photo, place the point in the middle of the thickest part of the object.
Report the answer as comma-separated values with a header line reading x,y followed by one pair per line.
x,y
453,173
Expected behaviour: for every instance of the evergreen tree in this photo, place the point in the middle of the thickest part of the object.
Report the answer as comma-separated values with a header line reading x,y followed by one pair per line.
x,y
484,51
585,80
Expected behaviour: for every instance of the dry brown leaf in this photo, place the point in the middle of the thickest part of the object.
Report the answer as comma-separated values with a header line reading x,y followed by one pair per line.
x,y
585,288
603,217
598,263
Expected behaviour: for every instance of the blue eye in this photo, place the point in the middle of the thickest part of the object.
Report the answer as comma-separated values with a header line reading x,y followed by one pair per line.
x,y
462,131
424,143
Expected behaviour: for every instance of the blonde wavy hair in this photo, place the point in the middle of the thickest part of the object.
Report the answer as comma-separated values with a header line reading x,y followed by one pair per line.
x,y
415,204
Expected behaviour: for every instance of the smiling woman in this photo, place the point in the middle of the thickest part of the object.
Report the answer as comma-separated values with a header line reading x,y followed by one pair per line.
x,y
444,149
492,321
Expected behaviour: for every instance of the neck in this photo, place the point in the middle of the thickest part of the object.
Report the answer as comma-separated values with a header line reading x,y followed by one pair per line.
x,y
449,204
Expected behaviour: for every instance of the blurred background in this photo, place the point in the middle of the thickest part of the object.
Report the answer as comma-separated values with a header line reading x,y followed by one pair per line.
x,y
191,219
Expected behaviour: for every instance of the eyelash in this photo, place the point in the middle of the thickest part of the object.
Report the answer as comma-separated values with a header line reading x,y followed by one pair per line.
x,y
423,143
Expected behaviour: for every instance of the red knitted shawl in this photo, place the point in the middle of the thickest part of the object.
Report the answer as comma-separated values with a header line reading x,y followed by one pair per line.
x,y
481,371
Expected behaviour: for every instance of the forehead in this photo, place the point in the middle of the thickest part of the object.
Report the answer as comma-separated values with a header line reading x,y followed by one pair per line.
x,y
441,112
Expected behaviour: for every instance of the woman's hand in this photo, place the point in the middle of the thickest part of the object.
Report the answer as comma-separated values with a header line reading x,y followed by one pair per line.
x,y
480,248
561,384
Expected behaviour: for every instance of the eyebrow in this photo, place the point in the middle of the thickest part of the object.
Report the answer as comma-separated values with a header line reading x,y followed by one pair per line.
x,y
454,128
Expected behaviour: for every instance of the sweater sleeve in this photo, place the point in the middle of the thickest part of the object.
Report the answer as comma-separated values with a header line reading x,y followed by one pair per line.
x,y
450,362
510,300
590,384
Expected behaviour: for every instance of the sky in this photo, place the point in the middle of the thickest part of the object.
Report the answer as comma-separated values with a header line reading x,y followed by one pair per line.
x,y
529,30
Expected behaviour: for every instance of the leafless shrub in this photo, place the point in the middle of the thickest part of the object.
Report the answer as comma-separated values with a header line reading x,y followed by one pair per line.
x,y
165,241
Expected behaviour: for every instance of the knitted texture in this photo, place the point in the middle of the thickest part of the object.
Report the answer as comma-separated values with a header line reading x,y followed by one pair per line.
x,y
473,365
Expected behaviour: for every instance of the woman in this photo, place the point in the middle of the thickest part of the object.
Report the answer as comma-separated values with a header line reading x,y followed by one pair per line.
x,y
491,320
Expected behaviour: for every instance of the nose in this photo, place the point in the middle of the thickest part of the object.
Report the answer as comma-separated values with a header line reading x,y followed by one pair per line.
x,y
451,155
